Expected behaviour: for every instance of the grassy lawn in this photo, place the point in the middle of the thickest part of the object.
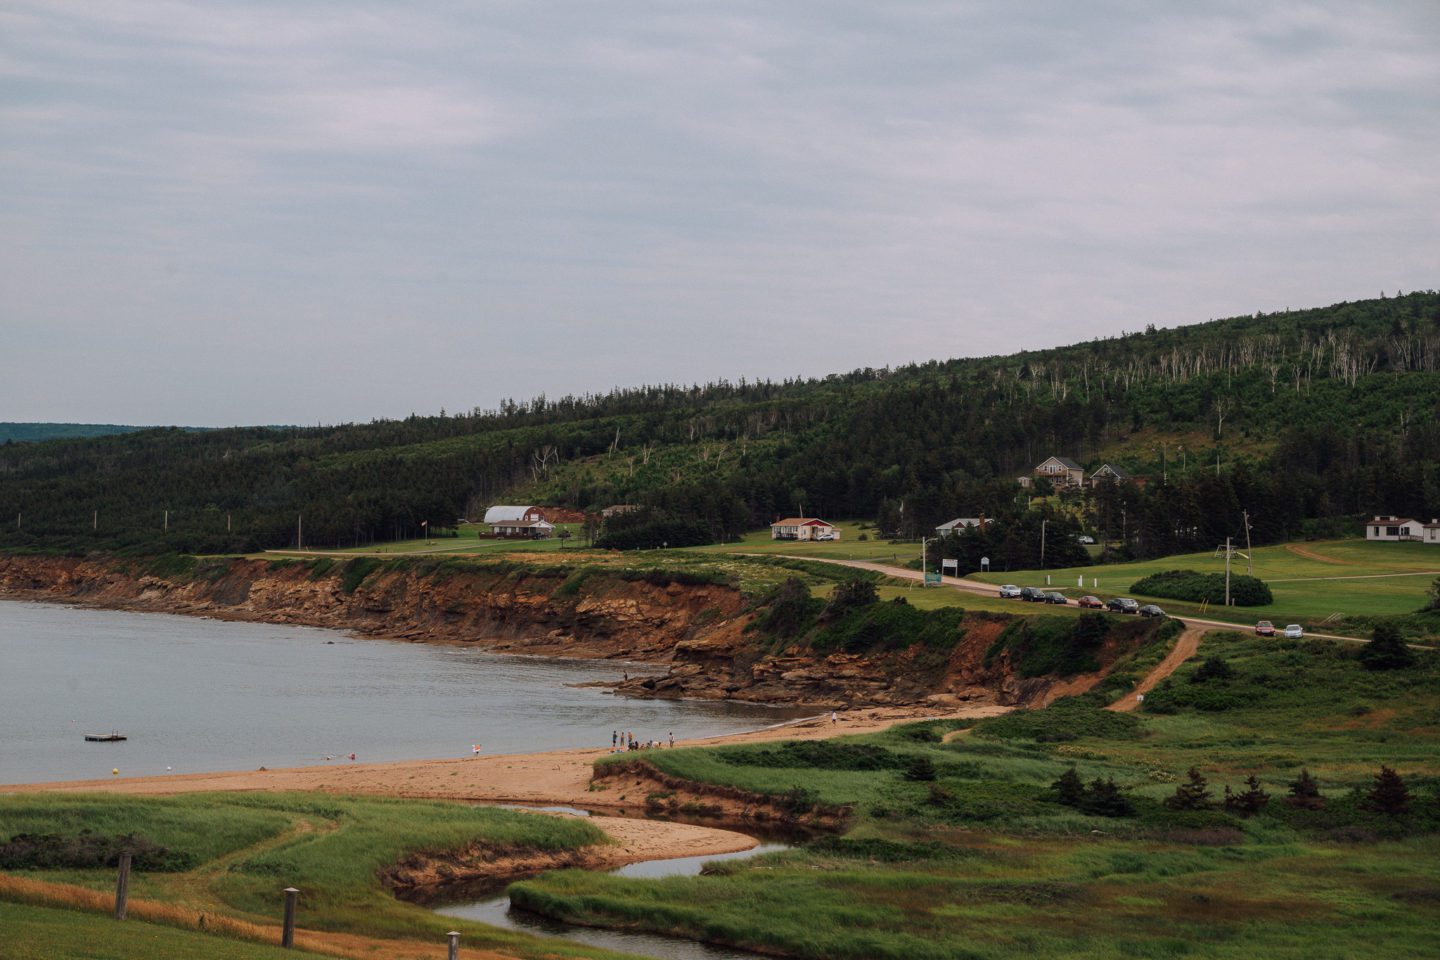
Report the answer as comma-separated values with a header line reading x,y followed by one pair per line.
x,y
848,547
983,861
1302,577
239,850
465,544
48,933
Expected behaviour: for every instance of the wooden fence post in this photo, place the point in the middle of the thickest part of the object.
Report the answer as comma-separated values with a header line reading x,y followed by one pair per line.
x,y
454,953
287,934
122,886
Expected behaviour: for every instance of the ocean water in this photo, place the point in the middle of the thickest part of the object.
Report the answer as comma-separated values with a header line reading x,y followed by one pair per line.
x,y
198,695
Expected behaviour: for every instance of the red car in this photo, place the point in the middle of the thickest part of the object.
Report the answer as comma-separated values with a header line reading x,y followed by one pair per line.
x,y
1089,601
1264,629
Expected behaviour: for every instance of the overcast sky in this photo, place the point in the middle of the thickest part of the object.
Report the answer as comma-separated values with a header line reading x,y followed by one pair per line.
x,y
280,212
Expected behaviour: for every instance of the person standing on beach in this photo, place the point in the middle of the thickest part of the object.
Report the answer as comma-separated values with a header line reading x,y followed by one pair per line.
x,y
614,738
672,739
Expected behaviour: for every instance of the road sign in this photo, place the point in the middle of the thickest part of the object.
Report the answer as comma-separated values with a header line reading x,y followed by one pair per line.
x,y
985,563
932,577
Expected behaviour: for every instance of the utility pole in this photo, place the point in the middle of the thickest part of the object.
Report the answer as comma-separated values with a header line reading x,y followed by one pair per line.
x,y
923,561
1042,543
1164,464
95,521
1227,571
227,523
299,531
167,520
1249,553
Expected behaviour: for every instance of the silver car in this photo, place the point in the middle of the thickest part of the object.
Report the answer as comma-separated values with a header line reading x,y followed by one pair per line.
x,y
1009,591
1293,631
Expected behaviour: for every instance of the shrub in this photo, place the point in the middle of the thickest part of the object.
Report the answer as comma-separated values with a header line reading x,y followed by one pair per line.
x,y
1069,789
356,571
1104,799
1213,668
920,769
891,626
1205,588
1068,718
851,594
1045,645
788,609
88,851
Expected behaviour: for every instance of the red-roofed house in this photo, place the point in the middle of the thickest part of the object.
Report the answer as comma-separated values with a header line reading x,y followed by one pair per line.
x,y
803,528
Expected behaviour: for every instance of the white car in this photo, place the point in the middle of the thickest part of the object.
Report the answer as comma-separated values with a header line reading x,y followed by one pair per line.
x,y
825,536
1293,631
1085,538
1009,591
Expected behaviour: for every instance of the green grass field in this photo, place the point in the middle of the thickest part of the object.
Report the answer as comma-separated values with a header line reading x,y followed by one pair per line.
x,y
1310,581
983,862
246,847
848,547
49,933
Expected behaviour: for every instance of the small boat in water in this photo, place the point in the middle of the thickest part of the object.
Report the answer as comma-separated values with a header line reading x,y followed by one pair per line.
x,y
105,737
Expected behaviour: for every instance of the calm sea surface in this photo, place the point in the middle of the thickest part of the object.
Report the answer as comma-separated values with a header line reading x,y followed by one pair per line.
x,y
198,695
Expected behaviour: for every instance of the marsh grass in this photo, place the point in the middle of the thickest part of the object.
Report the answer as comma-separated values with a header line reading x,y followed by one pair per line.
x,y
984,862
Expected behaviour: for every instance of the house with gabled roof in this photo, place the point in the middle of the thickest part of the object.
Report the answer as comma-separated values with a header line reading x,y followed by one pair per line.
x,y
1109,472
951,527
1061,471
803,528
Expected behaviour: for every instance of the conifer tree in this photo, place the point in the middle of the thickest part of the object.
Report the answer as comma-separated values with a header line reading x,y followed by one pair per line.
x,y
1305,792
1104,799
1069,789
1389,795
1386,650
1248,802
1193,794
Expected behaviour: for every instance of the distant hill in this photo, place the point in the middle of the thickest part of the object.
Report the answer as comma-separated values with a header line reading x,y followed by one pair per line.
x,y
1296,418
32,432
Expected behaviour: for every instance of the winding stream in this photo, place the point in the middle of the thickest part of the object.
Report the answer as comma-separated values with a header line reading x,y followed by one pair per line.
x,y
493,908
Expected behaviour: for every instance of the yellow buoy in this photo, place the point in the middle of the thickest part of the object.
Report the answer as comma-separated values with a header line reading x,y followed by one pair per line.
x,y
116,771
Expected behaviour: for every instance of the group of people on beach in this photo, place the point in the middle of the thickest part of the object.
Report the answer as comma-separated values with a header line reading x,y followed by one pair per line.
x,y
624,740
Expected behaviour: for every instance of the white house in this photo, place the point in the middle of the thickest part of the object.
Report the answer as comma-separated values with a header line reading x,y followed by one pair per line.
x,y
956,525
524,529
803,528
1432,531
1393,528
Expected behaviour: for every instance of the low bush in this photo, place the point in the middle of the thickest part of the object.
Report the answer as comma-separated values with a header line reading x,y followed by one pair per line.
x,y
1069,718
891,626
1204,588
88,851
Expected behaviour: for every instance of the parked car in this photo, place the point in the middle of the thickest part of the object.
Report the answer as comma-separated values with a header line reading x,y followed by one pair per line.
x,y
825,536
1086,539
1009,591
1092,602
1032,594
1150,610
1264,629
1056,597
1122,605
1293,631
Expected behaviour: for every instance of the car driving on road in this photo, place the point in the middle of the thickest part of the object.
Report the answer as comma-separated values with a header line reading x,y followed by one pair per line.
x,y
1122,605
1150,610
1055,596
1032,594
1094,603
1264,629
1293,631
1009,591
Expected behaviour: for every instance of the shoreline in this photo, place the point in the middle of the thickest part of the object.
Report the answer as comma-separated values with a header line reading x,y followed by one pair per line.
x,y
550,778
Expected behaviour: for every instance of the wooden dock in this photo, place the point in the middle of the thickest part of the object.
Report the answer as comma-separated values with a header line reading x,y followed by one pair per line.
x,y
105,737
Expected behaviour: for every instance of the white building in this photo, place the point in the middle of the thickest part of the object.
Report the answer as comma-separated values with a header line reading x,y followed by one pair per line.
x,y
803,528
1394,528
956,525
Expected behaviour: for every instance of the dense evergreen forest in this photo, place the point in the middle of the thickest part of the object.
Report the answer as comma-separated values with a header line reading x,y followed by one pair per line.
x,y
1301,418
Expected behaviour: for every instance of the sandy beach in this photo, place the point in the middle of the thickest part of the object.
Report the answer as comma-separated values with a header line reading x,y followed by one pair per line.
x,y
559,777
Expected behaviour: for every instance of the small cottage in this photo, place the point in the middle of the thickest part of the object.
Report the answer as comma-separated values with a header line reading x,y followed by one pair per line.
x,y
955,526
1393,528
803,528
1111,473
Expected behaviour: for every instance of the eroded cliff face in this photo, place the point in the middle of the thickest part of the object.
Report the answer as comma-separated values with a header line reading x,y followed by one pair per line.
x,y
699,630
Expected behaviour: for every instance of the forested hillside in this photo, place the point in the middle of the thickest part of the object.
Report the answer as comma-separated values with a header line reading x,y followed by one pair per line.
x,y
35,432
1310,415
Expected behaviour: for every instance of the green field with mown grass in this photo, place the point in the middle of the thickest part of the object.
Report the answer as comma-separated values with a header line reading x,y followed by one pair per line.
x,y
230,856
1311,582
959,845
